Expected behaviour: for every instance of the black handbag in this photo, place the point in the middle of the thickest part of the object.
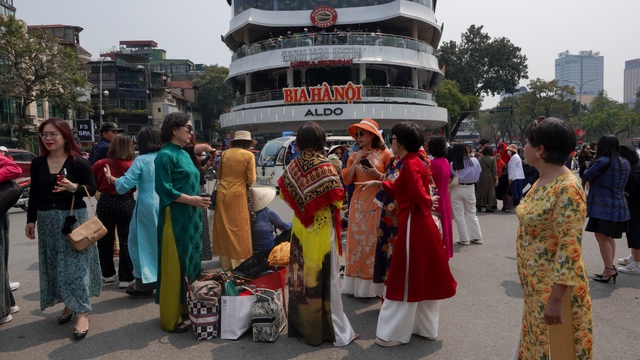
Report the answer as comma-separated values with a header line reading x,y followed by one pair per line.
x,y
212,205
251,268
10,193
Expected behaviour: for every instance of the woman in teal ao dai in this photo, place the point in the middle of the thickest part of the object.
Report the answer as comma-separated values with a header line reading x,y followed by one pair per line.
x,y
179,221
143,230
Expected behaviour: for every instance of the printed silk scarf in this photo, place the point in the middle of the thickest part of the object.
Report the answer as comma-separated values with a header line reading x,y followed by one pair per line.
x,y
309,184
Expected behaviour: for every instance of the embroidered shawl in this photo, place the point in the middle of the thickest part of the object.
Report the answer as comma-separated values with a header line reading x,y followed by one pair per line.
x,y
309,184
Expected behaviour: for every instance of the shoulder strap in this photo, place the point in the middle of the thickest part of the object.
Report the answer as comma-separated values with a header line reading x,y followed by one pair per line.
x,y
73,200
117,169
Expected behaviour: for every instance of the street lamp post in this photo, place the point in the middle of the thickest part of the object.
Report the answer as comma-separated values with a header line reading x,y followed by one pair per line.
x,y
580,86
101,92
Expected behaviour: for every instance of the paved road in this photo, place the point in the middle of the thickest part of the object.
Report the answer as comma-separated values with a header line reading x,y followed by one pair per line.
x,y
480,322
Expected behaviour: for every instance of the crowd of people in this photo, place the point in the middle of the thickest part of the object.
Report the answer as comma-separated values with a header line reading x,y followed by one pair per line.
x,y
401,204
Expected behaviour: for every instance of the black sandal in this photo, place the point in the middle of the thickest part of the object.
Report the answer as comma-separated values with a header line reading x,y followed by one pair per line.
x,y
180,328
65,319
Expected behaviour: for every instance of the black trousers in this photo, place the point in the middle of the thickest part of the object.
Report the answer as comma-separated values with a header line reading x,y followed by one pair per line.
x,y
115,211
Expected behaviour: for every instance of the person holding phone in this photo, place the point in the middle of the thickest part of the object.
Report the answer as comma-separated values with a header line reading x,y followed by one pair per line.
x,y
368,163
57,176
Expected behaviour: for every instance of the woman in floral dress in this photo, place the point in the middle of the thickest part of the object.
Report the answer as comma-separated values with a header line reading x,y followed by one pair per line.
x,y
368,163
556,321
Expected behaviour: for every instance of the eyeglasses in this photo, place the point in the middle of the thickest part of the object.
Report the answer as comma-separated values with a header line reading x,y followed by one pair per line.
x,y
360,133
189,127
394,138
50,135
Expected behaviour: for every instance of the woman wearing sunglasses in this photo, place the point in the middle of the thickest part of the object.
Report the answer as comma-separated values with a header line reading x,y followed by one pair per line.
x,y
179,221
368,163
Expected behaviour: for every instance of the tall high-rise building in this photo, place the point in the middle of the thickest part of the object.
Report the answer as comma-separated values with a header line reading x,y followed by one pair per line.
x,y
631,80
7,8
584,72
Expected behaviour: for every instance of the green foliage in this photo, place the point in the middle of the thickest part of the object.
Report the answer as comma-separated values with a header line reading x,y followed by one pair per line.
x,y
607,116
34,65
116,111
139,112
481,66
545,98
450,97
214,97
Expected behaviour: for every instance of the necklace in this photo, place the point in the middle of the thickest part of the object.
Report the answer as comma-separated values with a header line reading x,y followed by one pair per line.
x,y
56,162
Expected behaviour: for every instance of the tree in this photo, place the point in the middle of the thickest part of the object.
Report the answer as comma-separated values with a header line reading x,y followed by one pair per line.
x,y
450,97
607,116
482,66
35,66
214,97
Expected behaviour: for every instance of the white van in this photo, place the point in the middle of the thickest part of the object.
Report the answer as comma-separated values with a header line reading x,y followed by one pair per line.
x,y
276,155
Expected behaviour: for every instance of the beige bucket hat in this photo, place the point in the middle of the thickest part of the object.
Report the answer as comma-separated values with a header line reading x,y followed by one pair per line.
x,y
243,135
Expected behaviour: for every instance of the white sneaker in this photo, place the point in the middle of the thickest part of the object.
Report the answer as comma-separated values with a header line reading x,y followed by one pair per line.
x,y
630,269
109,280
14,285
5,319
625,261
14,309
125,284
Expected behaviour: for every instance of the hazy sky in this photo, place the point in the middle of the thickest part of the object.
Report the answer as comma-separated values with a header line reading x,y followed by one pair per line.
x,y
191,29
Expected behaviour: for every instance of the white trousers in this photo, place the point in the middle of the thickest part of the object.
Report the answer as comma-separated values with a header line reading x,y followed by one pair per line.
x,y
399,319
341,326
463,202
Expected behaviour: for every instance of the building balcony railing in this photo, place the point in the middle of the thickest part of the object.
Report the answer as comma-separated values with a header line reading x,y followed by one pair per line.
x,y
333,39
371,92
293,5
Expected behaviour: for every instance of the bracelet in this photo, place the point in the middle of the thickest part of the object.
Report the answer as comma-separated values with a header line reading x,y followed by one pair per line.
x,y
75,187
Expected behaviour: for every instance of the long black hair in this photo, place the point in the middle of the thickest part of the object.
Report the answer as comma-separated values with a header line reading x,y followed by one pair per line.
x,y
460,156
148,140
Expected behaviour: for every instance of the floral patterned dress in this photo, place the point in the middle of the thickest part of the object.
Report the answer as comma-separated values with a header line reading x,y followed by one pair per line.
x,y
549,251
362,233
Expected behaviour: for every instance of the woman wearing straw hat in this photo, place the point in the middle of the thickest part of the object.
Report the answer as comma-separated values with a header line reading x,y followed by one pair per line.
x,y
368,163
266,219
232,221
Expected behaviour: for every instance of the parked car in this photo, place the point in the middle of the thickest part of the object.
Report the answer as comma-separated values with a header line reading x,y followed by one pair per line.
x,y
23,159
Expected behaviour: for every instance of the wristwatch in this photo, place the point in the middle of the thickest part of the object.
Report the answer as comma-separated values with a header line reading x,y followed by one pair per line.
x,y
75,187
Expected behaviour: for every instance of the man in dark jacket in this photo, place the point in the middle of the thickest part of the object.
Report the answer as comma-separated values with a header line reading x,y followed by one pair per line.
x,y
108,132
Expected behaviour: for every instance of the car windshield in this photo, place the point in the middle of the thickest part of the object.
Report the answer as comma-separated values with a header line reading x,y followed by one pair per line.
x,y
270,150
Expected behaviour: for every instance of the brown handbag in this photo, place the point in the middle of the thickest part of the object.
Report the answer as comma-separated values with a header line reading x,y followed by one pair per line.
x,y
87,233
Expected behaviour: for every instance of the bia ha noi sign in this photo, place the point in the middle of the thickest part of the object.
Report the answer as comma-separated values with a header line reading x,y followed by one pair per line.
x,y
324,93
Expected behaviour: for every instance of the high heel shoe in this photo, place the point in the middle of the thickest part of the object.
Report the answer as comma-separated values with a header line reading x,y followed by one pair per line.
x,y
606,278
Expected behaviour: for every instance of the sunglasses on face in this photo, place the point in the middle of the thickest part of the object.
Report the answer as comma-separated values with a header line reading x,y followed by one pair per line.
x,y
360,133
189,127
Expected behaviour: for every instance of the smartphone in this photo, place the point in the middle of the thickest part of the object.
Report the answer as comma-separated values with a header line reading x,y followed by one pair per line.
x,y
62,176
366,163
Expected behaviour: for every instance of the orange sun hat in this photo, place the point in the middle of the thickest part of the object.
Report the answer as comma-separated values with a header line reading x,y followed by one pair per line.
x,y
366,124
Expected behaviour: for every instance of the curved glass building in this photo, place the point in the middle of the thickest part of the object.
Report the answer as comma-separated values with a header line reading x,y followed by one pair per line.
x,y
333,62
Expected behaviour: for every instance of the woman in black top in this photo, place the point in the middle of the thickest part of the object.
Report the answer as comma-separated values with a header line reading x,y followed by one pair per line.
x,y
58,175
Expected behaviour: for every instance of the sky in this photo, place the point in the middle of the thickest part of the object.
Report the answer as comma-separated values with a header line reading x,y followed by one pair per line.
x,y
191,29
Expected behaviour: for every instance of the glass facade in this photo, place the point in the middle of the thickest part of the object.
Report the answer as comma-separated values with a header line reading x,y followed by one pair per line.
x,y
584,71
